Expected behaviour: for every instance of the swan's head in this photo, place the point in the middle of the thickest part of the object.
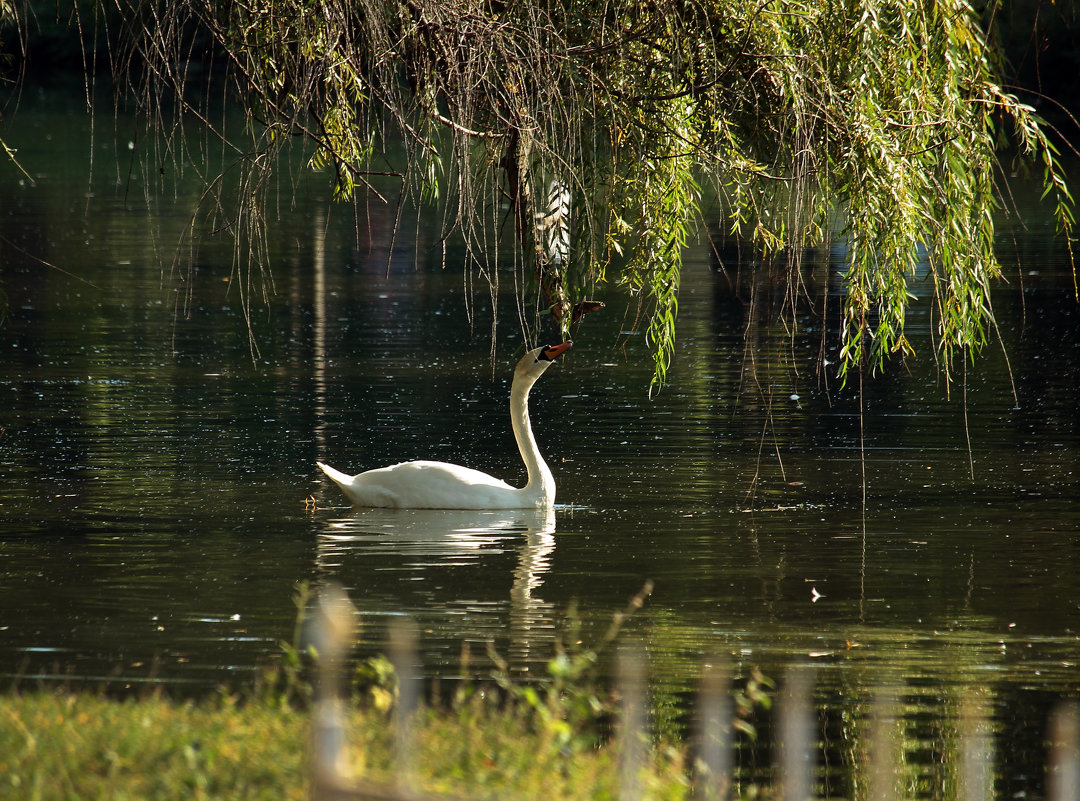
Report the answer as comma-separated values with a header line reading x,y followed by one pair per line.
x,y
537,360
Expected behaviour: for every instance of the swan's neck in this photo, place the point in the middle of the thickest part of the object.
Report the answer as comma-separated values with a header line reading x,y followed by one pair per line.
x,y
541,486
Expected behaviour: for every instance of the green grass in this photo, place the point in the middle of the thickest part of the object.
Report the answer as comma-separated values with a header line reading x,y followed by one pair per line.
x,y
84,746
63,745
498,738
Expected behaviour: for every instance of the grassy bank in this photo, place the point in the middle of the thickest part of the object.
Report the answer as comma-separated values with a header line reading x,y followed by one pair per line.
x,y
66,746
495,738
59,745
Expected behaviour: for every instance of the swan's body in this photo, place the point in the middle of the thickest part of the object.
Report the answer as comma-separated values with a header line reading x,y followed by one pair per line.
x,y
438,485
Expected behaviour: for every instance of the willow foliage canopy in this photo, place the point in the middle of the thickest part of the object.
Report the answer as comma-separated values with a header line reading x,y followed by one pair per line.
x,y
876,123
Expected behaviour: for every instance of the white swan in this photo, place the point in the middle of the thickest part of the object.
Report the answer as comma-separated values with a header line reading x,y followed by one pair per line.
x,y
438,485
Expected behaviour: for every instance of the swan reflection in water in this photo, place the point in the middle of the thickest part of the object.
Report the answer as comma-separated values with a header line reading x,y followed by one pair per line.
x,y
425,538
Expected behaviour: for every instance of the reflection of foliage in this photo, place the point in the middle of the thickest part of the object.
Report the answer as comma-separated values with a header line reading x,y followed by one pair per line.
x,y
9,20
887,113
1042,42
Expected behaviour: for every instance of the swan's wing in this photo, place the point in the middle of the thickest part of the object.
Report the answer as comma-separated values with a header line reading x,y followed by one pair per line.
x,y
428,485
359,494
441,473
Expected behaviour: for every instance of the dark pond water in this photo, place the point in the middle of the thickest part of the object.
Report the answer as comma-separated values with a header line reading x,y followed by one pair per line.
x,y
153,522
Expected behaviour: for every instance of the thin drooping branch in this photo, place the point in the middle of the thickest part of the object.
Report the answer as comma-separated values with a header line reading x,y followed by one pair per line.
x,y
872,126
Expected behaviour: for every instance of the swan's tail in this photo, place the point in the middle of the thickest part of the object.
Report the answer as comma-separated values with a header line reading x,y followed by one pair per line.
x,y
554,223
336,476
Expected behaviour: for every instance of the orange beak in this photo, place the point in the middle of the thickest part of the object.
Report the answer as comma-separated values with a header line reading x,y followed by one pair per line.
x,y
554,351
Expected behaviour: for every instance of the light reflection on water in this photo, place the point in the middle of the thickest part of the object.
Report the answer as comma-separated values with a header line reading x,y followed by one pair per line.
x,y
423,545
154,522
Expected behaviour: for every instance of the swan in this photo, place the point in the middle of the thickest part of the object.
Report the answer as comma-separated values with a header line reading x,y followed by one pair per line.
x,y
438,485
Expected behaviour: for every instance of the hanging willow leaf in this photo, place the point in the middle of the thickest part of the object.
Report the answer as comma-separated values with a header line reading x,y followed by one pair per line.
x,y
872,124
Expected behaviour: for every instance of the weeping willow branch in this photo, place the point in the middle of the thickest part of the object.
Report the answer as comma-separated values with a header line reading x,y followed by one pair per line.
x,y
873,126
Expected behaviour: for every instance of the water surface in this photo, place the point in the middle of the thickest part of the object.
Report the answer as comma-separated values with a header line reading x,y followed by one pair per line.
x,y
158,451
